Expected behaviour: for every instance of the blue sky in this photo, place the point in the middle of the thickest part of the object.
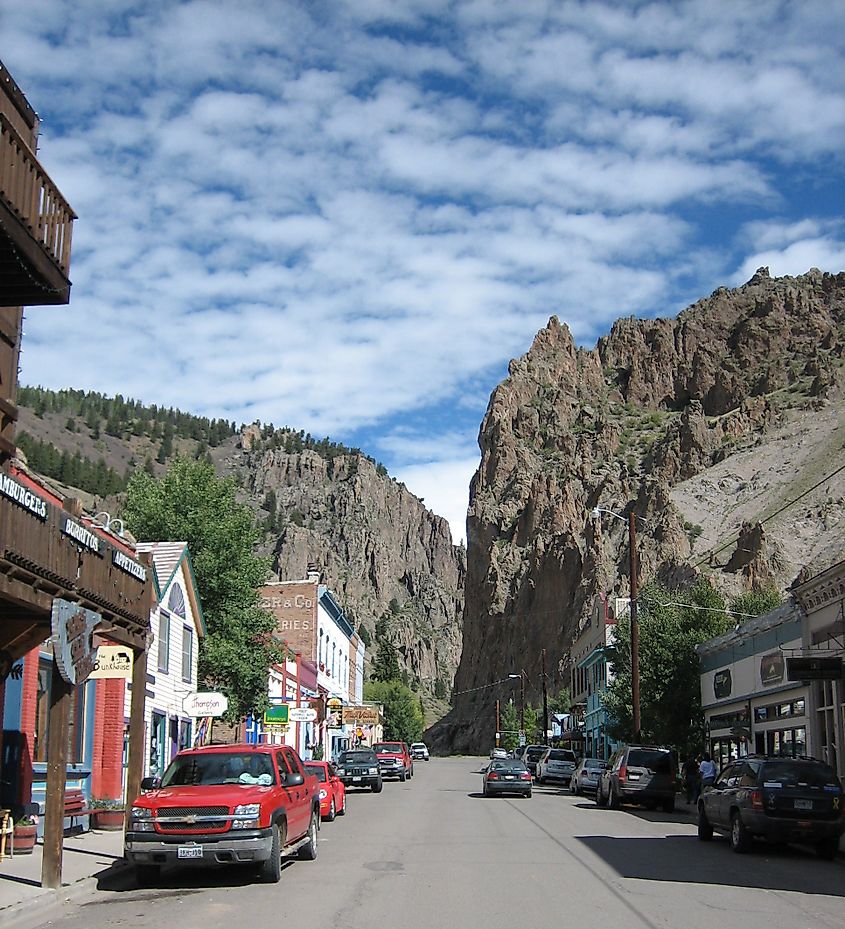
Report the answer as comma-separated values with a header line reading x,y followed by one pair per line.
x,y
348,217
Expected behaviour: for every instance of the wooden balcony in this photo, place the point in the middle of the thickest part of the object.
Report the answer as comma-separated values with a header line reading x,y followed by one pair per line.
x,y
36,223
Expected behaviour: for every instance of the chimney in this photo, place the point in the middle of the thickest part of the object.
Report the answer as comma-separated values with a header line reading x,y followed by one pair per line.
x,y
314,575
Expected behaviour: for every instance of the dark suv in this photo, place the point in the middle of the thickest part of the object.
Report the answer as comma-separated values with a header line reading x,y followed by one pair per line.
x,y
358,767
639,774
781,799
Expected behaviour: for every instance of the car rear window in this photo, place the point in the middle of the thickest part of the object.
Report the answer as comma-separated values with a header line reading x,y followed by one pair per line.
x,y
317,769
535,754
797,774
561,754
654,759
390,748
506,764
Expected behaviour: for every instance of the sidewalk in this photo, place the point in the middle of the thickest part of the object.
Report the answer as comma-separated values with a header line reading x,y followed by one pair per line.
x,y
84,858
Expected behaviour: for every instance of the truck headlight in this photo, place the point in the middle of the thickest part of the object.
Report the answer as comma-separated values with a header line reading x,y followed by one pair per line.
x,y
141,819
373,770
247,816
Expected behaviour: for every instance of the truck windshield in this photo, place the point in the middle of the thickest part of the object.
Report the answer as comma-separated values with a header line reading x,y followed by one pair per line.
x,y
219,768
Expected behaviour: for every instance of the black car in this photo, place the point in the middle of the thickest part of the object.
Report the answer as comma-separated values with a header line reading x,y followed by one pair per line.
x,y
507,776
360,768
775,798
639,774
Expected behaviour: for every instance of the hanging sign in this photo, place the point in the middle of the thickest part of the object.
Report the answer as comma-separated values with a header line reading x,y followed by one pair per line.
x,y
360,716
72,627
198,705
113,661
302,714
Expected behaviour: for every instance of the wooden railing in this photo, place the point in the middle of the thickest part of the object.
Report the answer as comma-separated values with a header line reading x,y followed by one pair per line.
x,y
28,190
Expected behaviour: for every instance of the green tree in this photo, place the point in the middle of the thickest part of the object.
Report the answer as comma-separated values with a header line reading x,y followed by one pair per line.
x,y
385,666
190,502
754,603
364,635
671,624
509,733
561,702
403,720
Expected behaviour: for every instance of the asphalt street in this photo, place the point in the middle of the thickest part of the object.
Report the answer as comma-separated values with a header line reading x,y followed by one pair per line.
x,y
432,853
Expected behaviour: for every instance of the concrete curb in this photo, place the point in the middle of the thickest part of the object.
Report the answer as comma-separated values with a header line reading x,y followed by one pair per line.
x,y
36,910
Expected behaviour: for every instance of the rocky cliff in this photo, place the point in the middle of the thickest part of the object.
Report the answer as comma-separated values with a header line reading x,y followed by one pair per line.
x,y
712,427
389,559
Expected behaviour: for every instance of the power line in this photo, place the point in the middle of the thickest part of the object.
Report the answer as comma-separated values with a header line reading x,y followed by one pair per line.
x,y
771,516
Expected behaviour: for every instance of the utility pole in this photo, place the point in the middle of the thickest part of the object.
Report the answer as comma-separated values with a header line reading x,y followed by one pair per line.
x,y
522,701
545,700
498,724
635,629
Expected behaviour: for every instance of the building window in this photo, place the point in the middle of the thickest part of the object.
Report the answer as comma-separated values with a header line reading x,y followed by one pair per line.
x,y
76,719
176,601
187,653
163,641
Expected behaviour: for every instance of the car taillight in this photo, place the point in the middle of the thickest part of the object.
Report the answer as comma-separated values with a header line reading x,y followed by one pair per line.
x,y
525,776
623,773
493,776
756,800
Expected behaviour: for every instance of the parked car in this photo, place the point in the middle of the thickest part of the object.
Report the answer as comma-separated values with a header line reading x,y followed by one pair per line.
x,y
639,774
359,767
779,799
225,805
498,753
585,779
419,750
331,789
531,754
394,759
556,764
506,776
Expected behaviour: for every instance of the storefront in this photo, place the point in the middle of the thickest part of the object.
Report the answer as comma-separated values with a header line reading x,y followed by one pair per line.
x,y
749,704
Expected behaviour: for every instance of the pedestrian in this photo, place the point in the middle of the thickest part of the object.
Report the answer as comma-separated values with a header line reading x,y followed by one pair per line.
x,y
689,775
707,769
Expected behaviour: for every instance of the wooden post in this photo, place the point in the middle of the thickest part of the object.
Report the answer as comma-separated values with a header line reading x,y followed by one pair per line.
x,y
635,629
54,814
498,725
298,695
135,763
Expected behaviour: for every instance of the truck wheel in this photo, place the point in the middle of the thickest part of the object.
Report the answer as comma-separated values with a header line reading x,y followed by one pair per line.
x,y
705,827
402,777
147,874
377,787
271,869
308,852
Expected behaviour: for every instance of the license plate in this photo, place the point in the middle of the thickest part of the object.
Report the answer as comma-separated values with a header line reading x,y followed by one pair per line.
x,y
356,779
510,777
633,777
803,804
189,851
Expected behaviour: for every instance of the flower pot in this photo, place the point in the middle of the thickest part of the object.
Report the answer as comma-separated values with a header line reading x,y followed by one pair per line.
x,y
108,820
23,839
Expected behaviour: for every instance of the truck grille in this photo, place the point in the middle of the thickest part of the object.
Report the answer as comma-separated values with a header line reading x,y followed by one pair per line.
x,y
192,818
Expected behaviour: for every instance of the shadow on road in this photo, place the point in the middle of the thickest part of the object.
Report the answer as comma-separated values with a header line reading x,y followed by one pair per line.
x,y
185,881
686,860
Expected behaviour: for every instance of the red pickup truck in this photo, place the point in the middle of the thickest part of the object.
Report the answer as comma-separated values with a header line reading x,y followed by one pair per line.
x,y
225,805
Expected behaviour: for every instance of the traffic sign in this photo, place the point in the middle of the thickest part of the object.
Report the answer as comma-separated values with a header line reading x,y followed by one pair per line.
x,y
302,714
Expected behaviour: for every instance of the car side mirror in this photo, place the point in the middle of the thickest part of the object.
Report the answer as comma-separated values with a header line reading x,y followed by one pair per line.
x,y
150,783
294,779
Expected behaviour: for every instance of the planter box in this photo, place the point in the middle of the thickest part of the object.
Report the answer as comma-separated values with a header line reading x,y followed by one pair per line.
x,y
108,820
23,839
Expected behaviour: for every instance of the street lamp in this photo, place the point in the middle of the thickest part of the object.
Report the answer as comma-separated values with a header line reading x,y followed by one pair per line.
x,y
635,629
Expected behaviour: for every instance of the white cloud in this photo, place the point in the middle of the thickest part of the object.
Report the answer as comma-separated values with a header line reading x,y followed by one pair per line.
x,y
348,223
444,486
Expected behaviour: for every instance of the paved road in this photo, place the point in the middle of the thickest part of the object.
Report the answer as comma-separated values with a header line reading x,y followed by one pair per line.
x,y
433,853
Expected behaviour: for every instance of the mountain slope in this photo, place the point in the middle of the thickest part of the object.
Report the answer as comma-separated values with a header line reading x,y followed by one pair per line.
x,y
389,559
704,425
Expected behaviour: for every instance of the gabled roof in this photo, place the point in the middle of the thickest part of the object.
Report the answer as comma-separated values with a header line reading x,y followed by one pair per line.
x,y
167,557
